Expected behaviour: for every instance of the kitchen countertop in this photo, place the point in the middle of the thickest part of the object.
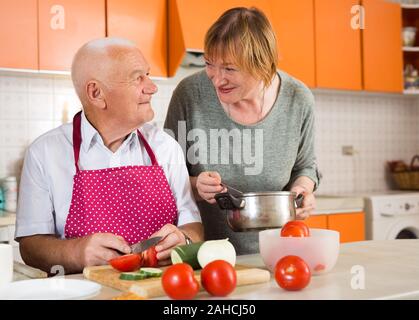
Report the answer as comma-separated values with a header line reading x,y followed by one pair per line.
x,y
7,219
391,271
338,204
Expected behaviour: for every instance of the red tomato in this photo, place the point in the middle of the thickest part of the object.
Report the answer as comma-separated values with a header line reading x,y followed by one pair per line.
x,y
150,257
219,278
178,282
292,273
319,267
295,229
126,263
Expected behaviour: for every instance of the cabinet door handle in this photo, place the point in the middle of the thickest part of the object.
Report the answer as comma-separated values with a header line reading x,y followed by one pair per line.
x,y
387,214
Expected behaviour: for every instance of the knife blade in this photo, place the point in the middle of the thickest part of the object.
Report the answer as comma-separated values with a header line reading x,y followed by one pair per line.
x,y
145,244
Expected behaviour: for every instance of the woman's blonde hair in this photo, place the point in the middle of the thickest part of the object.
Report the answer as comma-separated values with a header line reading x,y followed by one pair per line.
x,y
246,36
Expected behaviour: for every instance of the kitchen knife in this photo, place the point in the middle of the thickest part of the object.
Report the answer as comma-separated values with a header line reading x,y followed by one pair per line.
x,y
145,244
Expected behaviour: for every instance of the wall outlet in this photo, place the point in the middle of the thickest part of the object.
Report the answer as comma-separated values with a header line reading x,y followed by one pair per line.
x,y
348,150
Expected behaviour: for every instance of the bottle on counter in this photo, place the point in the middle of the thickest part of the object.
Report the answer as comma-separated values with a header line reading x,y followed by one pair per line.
x,y
1,202
10,194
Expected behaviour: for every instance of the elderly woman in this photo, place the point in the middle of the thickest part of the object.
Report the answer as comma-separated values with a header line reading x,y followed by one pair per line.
x,y
244,123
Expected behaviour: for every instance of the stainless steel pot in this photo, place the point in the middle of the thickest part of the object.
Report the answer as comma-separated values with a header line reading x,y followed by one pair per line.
x,y
258,210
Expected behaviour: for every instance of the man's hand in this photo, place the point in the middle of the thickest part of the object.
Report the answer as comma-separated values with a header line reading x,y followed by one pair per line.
x,y
172,237
44,251
99,248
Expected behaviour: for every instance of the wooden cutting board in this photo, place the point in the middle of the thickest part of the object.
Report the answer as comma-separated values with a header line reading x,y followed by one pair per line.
x,y
151,288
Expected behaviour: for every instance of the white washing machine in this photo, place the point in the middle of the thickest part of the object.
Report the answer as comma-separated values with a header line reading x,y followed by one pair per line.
x,y
393,215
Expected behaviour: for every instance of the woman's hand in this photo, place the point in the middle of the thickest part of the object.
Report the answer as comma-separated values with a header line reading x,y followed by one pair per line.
x,y
208,184
309,202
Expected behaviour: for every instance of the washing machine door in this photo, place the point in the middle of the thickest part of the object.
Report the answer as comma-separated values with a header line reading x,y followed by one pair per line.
x,y
405,229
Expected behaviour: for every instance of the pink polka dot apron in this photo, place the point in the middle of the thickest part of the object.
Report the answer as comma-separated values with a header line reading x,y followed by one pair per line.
x,y
130,201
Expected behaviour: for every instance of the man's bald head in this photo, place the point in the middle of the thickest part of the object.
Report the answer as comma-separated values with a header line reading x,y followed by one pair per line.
x,y
96,60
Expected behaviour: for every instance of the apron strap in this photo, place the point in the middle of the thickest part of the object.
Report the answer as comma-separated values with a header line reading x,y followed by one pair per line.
x,y
77,139
77,142
148,149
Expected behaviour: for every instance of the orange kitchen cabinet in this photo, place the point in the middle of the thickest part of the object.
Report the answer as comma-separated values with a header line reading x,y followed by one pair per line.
x,y
317,221
338,45
145,23
19,34
382,46
293,22
64,26
350,225
189,20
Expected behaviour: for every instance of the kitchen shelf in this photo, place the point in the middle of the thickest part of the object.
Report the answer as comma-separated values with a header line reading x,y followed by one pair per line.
x,y
410,49
411,92
410,6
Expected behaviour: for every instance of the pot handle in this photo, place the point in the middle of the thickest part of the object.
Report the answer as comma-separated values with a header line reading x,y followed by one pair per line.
x,y
299,200
229,200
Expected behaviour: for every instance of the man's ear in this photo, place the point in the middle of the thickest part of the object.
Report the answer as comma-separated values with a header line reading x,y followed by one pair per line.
x,y
95,94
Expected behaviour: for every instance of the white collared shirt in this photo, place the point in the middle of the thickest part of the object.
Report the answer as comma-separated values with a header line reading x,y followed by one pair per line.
x,y
47,178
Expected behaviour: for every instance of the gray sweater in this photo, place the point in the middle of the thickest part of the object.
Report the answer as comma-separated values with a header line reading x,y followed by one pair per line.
x,y
267,156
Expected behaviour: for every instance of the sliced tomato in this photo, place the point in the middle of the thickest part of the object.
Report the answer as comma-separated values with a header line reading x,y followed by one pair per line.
x,y
149,257
295,229
126,263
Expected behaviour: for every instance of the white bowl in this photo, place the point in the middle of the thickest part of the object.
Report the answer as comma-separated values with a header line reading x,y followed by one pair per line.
x,y
320,250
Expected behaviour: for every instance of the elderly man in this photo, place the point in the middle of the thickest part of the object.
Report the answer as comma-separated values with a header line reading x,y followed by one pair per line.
x,y
92,188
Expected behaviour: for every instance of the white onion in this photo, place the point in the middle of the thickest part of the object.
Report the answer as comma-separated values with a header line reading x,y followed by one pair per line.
x,y
216,250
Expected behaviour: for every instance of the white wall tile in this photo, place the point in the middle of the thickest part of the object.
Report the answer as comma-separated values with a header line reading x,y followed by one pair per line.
x,y
14,133
63,85
13,105
41,106
44,84
11,165
3,164
10,83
